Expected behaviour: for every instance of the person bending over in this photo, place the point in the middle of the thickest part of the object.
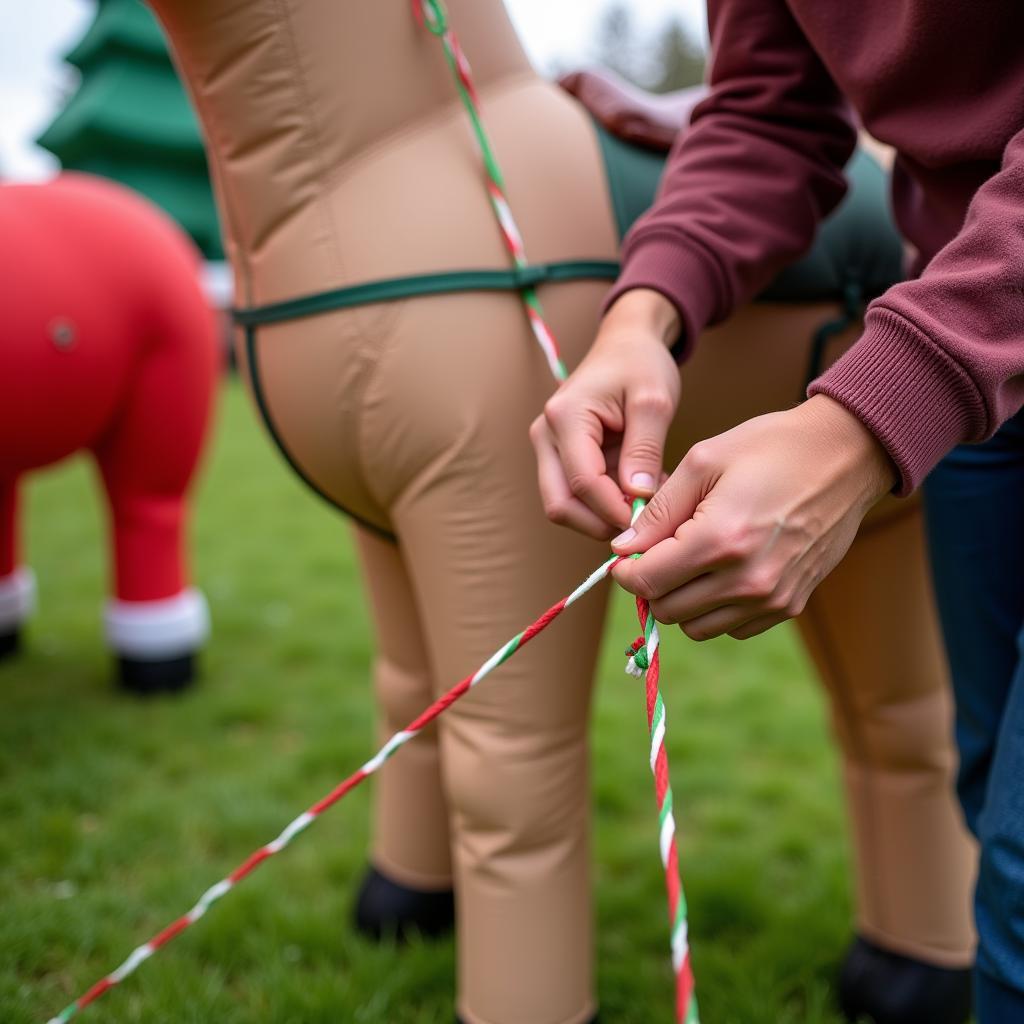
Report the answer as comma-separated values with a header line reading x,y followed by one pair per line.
x,y
751,521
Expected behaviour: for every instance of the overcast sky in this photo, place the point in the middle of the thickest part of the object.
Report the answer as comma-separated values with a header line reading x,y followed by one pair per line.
x,y
34,34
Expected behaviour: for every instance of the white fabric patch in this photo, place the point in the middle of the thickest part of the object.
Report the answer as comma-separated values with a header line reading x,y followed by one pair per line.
x,y
151,630
17,597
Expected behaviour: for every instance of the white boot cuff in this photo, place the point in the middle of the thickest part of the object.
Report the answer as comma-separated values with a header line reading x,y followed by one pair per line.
x,y
153,630
17,597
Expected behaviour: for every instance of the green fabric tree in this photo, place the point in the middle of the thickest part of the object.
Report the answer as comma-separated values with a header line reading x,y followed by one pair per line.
x,y
131,120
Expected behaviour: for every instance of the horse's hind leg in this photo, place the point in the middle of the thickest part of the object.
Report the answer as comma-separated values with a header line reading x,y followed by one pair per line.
x,y
409,885
17,584
871,629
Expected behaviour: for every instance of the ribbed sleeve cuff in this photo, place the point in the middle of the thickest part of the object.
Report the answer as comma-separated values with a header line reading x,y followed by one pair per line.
x,y
908,392
685,277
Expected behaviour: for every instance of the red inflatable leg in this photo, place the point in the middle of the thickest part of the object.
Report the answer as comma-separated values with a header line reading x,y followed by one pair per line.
x,y
17,584
8,527
147,459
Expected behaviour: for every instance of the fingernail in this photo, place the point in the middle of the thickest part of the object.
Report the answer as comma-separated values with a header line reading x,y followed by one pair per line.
x,y
625,538
642,480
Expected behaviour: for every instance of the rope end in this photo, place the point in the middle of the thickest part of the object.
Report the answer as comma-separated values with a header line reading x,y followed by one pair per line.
x,y
638,661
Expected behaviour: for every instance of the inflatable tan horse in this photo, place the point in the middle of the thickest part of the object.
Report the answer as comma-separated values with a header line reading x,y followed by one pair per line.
x,y
387,349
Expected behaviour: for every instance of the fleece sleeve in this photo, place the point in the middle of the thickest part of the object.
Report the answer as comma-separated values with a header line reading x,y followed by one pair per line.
x,y
941,360
747,184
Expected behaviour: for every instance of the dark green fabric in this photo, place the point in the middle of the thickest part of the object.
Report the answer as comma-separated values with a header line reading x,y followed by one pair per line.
x,y
858,244
632,173
512,279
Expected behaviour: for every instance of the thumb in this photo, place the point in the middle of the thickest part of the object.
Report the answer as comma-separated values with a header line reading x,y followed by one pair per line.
x,y
646,421
672,505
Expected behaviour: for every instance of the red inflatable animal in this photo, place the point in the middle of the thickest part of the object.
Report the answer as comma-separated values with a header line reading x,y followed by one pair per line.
x,y
107,343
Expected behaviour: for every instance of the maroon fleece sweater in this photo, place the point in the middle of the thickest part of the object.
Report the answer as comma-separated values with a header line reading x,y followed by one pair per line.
x,y
941,360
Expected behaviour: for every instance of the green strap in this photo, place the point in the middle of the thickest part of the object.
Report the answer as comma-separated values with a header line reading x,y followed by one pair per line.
x,y
511,279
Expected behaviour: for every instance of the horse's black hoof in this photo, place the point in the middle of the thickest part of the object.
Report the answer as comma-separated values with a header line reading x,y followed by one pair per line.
x,y
887,988
147,678
386,909
10,643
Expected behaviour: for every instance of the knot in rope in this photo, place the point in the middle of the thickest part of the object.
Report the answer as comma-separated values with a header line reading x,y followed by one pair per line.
x,y
639,657
638,660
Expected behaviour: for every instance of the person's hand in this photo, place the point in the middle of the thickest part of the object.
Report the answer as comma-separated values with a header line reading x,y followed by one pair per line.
x,y
753,519
602,434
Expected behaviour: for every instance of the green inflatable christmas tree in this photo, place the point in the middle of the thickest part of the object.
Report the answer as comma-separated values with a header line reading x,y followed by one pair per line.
x,y
131,120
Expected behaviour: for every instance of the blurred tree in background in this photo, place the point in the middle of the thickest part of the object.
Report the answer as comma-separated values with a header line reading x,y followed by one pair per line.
x,y
616,43
664,60
680,59
131,120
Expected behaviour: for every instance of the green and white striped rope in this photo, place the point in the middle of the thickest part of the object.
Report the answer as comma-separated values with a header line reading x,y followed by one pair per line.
x,y
433,15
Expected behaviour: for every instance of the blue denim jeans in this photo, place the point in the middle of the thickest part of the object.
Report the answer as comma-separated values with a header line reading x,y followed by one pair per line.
x,y
975,515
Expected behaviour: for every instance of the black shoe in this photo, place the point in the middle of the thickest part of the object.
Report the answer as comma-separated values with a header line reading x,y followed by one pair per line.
x,y
385,908
886,988
10,643
146,678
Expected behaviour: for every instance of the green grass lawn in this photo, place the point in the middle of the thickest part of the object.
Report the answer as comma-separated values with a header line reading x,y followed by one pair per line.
x,y
118,813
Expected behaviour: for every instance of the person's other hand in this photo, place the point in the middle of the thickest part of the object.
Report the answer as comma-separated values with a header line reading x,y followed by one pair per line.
x,y
601,436
753,519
